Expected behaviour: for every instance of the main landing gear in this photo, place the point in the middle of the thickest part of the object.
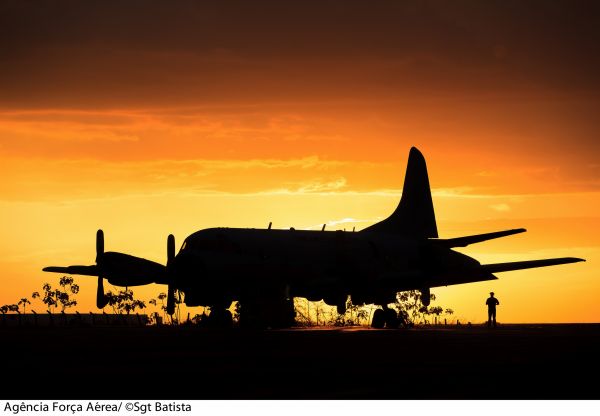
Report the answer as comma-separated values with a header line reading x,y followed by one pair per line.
x,y
385,317
220,318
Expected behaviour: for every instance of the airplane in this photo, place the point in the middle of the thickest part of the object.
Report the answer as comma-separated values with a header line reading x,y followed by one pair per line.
x,y
265,269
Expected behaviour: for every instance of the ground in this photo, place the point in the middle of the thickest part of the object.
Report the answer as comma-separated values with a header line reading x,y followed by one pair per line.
x,y
510,362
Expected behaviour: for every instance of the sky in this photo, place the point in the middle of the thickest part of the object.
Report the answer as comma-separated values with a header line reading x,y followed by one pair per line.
x,y
146,118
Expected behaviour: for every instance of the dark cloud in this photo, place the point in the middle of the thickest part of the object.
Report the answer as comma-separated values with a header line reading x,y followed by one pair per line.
x,y
101,53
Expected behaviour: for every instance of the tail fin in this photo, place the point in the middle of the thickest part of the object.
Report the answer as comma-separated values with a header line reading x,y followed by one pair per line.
x,y
414,216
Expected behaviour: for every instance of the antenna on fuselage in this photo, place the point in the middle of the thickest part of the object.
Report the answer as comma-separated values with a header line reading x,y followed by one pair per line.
x,y
323,229
353,228
271,223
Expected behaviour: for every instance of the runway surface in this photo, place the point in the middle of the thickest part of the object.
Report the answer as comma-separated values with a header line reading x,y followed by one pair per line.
x,y
510,362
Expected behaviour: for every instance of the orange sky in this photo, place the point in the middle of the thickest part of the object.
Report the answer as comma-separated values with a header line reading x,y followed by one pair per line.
x,y
161,119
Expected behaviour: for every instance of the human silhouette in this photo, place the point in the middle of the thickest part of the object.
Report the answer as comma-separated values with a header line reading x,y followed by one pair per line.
x,y
491,303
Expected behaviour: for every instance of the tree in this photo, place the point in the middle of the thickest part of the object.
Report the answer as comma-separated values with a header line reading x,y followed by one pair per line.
x,y
65,296
24,302
49,298
54,297
409,307
163,298
308,313
124,302
302,310
354,315
237,310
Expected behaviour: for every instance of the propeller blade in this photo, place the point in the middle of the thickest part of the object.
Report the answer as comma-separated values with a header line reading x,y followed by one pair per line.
x,y
101,299
171,288
99,245
171,300
170,248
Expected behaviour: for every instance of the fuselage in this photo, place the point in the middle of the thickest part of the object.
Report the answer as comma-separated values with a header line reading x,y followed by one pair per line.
x,y
219,265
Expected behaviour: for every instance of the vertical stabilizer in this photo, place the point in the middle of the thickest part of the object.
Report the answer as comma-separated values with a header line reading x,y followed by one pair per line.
x,y
414,216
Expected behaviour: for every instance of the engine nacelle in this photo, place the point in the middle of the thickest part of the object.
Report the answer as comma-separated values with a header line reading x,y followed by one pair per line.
x,y
425,296
122,269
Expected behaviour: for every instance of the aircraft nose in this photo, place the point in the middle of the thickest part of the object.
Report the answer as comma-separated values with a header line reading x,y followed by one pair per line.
x,y
185,264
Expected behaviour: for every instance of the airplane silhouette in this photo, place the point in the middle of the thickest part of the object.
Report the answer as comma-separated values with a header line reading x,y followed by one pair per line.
x,y
264,269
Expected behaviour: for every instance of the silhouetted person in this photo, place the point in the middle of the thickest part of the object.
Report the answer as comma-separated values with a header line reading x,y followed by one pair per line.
x,y
491,303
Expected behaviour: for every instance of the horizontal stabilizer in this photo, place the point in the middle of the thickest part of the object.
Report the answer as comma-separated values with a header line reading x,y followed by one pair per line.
x,y
472,239
84,270
518,265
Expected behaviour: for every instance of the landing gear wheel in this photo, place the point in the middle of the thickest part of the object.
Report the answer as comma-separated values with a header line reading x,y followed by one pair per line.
x,y
378,320
404,320
391,319
220,318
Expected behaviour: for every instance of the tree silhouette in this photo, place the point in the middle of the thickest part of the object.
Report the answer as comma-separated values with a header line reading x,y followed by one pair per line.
x,y
24,302
411,310
35,295
54,297
49,298
162,297
354,315
124,302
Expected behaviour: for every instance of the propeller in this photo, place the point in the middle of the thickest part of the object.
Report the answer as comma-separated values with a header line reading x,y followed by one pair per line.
x,y
101,299
121,269
170,274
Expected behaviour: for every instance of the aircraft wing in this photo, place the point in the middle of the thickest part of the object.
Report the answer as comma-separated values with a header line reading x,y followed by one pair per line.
x,y
478,238
483,272
83,270
530,264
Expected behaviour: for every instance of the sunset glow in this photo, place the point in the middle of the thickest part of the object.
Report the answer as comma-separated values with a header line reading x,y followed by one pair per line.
x,y
210,117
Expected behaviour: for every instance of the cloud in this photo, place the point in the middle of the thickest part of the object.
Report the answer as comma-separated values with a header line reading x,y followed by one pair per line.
x,y
456,192
500,207
106,55
330,186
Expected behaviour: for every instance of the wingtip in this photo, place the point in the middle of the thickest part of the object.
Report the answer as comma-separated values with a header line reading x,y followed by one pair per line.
x,y
573,259
55,269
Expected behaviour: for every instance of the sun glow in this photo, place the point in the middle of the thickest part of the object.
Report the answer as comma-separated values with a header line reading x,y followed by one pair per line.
x,y
238,121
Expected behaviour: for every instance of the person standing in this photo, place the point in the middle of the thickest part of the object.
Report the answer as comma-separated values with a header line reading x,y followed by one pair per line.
x,y
491,303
